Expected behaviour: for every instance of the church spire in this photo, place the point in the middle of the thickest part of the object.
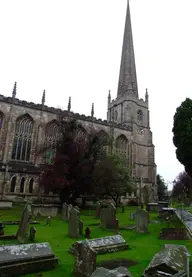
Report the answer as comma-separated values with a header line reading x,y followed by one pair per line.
x,y
127,77
43,98
69,104
14,90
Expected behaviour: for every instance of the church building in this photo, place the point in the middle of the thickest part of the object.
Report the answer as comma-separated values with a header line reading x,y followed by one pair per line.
x,y
25,126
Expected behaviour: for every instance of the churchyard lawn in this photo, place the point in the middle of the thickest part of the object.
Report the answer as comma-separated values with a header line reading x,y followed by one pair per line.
x,y
143,246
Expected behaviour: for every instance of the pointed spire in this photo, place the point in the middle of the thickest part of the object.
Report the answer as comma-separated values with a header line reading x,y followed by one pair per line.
x,y
69,104
92,110
43,98
14,90
127,76
109,95
146,95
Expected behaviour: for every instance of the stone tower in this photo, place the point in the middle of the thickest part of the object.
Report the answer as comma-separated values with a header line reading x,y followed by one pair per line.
x,y
131,111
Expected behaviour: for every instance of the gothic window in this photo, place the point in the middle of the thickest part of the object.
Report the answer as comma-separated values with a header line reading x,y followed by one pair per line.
x,y
13,184
121,145
22,138
22,185
31,185
139,115
51,138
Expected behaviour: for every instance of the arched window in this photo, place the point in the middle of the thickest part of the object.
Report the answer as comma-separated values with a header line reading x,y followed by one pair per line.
x,y
122,145
51,138
22,138
22,185
139,115
13,184
31,185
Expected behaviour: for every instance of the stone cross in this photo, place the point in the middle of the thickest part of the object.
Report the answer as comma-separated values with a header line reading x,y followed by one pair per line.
x,y
64,211
85,260
73,223
142,220
24,224
32,234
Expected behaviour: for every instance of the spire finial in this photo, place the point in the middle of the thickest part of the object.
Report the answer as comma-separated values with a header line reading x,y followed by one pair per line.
x,y
127,76
109,95
146,95
92,110
69,104
14,90
43,98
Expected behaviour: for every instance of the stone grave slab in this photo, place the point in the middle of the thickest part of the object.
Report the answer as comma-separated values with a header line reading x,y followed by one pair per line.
x,y
104,245
117,272
16,260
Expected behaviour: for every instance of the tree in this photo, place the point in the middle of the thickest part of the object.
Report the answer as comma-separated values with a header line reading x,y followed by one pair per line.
x,y
75,156
182,187
161,187
182,134
113,178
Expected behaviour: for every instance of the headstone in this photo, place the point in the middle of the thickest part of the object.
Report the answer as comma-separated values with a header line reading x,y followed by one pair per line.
x,y
26,258
80,227
132,216
142,220
108,217
69,211
32,234
98,209
105,245
48,221
85,260
117,272
73,223
64,211
22,232
87,233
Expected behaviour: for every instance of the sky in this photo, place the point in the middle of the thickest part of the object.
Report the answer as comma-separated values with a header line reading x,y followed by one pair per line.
x,y
73,48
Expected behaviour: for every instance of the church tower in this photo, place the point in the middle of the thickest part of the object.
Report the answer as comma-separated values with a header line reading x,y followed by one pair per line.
x,y
130,111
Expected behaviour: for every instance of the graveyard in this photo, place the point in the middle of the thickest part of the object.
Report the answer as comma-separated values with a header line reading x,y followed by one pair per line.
x,y
136,254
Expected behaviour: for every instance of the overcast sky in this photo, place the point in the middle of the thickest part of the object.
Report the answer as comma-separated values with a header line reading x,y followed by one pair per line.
x,y
73,48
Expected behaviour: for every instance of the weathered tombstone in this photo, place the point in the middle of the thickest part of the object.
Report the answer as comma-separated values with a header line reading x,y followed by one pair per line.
x,y
80,227
48,221
24,224
85,260
108,217
32,234
64,211
73,223
117,272
69,210
132,216
142,220
98,209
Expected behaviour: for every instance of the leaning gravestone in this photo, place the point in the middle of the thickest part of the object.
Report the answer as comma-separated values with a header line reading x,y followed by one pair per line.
x,y
142,219
85,260
117,272
64,211
73,223
24,224
17,260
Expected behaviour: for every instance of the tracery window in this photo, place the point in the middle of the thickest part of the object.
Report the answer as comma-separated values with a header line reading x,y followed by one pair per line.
x,y
51,138
22,138
13,184
121,145
31,185
22,185
139,115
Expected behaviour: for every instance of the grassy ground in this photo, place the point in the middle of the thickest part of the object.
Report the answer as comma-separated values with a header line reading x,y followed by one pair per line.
x,y
143,246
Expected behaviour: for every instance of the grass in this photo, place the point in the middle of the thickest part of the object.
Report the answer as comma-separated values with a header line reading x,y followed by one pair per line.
x,y
143,246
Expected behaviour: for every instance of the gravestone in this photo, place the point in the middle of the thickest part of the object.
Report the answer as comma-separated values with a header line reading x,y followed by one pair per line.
x,y
85,260
64,211
17,260
98,209
132,216
117,272
32,234
73,223
108,217
142,219
22,232
80,227
105,245
69,210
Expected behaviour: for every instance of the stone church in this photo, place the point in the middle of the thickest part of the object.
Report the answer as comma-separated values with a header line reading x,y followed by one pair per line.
x,y
24,126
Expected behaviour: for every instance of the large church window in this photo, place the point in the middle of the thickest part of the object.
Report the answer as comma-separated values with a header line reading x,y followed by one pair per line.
x,y
22,138
51,138
22,185
140,116
122,145
13,184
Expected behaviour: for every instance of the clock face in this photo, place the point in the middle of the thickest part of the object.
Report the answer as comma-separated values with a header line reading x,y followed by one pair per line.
x,y
140,131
